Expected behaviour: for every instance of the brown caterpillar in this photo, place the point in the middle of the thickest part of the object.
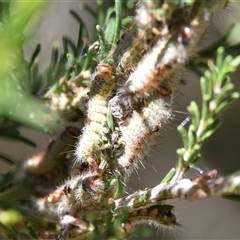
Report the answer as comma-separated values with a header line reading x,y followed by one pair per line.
x,y
76,198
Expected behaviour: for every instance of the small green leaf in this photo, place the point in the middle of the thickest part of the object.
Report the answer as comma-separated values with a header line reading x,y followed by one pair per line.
x,y
71,59
207,85
110,122
194,112
184,135
194,155
226,102
54,55
35,54
103,42
191,136
109,33
235,63
69,43
10,217
118,21
224,91
205,110
180,153
169,176
120,188
220,56
127,21
210,129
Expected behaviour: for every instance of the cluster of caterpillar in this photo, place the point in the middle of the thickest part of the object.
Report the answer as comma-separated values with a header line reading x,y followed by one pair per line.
x,y
177,39
138,91
144,95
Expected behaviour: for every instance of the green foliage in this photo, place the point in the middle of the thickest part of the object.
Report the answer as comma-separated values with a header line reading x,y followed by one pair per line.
x,y
15,70
217,94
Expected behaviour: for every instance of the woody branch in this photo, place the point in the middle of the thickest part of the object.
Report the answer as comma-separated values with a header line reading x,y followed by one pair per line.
x,y
185,189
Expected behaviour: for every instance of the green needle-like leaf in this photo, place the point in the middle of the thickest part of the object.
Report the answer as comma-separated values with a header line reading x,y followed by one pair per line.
x,y
220,56
110,122
194,155
169,176
118,22
222,94
109,33
191,136
35,54
210,128
226,102
184,135
194,112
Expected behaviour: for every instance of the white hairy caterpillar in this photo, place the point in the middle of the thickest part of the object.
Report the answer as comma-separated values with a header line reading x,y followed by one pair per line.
x,y
141,127
177,41
102,84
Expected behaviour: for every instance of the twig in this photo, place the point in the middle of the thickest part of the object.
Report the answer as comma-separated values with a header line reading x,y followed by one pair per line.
x,y
184,189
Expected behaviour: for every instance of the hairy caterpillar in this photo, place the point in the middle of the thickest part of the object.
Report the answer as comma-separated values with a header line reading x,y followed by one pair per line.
x,y
135,42
74,195
156,216
176,44
159,215
141,128
72,202
102,84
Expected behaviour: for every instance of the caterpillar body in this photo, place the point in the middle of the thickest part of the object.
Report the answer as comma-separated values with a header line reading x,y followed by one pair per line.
x,y
70,198
101,89
139,39
158,215
140,130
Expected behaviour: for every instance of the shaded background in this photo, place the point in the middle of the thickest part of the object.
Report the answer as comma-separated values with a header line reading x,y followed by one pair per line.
x,y
206,219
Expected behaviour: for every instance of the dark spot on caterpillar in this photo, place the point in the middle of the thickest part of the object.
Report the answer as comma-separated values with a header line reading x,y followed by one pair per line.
x,y
67,190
